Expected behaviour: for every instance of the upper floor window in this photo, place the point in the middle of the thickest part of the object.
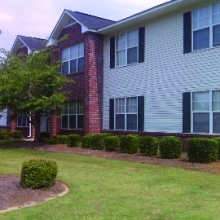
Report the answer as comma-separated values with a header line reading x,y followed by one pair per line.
x,y
73,59
206,27
127,48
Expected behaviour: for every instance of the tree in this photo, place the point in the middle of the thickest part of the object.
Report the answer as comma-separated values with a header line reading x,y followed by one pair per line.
x,y
31,85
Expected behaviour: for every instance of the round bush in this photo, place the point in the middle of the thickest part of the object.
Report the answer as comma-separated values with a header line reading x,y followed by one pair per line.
x,y
86,141
111,143
62,139
51,141
16,134
73,140
97,142
149,146
202,150
129,144
170,147
218,140
38,173
4,135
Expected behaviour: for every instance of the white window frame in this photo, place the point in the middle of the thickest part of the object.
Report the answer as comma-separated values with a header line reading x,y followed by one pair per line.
x,y
210,111
126,48
117,111
77,105
210,25
68,56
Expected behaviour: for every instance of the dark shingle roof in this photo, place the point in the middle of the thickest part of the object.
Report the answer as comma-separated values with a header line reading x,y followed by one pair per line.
x,y
33,43
90,21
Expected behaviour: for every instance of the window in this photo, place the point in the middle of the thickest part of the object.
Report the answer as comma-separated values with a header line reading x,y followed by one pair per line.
x,y
206,112
206,27
72,115
73,59
127,48
22,121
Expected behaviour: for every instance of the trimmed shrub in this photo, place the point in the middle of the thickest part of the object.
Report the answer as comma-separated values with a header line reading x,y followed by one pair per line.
x,y
111,143
43,135
51,141
149,146
218,140
4,135
86,141
97,142
73,140
38,173
62,139
170,147
202,150
16,134
129,144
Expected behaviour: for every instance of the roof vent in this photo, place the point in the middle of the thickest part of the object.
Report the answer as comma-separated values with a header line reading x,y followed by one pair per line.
x,y
70,22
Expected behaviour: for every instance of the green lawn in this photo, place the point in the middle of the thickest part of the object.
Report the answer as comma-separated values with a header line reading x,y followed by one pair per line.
x,y
110,190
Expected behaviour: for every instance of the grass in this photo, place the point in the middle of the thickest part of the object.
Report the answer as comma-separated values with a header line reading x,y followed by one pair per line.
x,y
118,190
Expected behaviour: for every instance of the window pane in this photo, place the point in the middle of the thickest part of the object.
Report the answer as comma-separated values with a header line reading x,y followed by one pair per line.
x,y
216,35
72,121
131,105
201,39
80,122
132,39
201,122
81,50
65,54
201,101
120,58
120,105
73,66
79,107
216,100
216,123
65,121
81,64
216,13
65,68
73,52
72,108
120,42
120,122
132,122
132,55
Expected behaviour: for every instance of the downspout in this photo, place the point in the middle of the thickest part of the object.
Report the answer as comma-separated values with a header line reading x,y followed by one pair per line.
x,y
29,127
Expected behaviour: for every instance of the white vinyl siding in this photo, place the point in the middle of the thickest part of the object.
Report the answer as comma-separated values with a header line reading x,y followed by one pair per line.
x,y
163,77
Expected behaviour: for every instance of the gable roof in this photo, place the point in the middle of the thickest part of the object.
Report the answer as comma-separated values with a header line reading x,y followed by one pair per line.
x,y
87,22
32,43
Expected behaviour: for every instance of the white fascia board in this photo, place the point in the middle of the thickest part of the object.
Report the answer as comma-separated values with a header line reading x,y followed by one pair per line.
x,y
140,17
17,44
60,25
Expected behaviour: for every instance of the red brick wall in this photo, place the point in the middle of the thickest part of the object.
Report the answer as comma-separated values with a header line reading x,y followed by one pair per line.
x,y
88,86
23,50
93,101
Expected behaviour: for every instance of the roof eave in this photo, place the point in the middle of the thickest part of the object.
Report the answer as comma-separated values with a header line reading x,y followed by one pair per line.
x,y
150,14
17,45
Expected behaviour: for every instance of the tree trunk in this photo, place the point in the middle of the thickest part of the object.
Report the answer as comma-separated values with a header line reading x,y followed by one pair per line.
x,y
37,132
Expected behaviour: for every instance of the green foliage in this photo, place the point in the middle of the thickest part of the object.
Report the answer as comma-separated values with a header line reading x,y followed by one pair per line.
x,y
202,150
111,143
170,147
16,134
38,173
97,142
86,140
4,135
51,141
62,139
129,144
149,146
35,75
43,135
218,140
73,140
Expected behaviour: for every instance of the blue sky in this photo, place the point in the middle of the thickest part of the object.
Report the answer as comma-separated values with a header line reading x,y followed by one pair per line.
x,y
37,18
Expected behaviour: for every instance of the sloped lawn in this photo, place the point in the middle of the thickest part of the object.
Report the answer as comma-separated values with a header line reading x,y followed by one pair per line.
x,y
111,189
